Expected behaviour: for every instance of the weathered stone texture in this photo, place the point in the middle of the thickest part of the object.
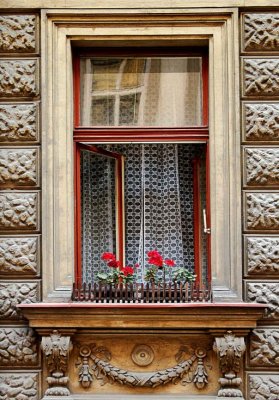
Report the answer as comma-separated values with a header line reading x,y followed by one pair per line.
x,y
262,211
261,122
19,386
19,256
262,255
18,122
261,77
18,78
14,293
18,347
264,387
18,210
261,32
18,167
266,293
17,33
262,166
264,348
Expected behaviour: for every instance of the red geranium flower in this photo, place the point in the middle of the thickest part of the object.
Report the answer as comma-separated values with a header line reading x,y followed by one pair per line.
x,y
108,256
128,271
169,262
113,264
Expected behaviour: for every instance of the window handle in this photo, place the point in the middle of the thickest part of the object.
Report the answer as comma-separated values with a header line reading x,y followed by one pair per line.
x,y
205,228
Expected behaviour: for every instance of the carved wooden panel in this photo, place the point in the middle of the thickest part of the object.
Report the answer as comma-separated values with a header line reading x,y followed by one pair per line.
x,y
265,293
264,349
262,211
19,386
19,256
261,77
14,293
18,347
261,166
261,32
262,255
261,121
19,122
19,167
18,33
19,211
19,78
263,386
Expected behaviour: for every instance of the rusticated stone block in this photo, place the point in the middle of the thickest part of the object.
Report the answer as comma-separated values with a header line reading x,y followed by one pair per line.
x,y
262,166
19,386
262,255
18,167
18,347
265,293
261,77
264,348
14,293
263,387
18,211
19,256
261,32
17,33
261,122
262,211
19,78
18,122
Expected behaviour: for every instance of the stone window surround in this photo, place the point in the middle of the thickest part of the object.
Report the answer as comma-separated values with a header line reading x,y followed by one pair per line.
x,y
60,29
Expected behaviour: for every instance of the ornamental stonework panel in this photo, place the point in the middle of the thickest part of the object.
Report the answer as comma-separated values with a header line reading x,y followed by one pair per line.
x,y
19,386
262,255
261,122
19,256
19,123
19,78
261,32
265,293
18,33
263,386
261,166
261,77
19,211
18,348
262,211
14,293
264,348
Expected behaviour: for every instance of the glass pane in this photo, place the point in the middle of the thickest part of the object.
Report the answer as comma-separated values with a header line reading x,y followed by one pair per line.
x,y
141,91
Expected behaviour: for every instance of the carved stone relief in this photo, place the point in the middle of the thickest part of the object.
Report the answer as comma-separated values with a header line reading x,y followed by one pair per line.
x,y
14,293
265,293
261,77
17,33
18,78
262,166
19,386
261,122
18,347
142,355
264,348
262,255
264,387
18,210
18,167
262,211
19,256
261,32
18,123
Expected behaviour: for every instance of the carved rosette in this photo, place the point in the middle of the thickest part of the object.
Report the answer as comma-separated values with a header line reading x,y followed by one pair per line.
x,y
261,122
261,32
261,77
230,350
17,33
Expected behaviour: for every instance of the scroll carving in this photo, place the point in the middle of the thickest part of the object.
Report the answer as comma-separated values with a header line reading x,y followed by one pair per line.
x,y
265,385
265,293
262,255
261,122
261,32
261,77
18,78
262,211
17,33
19,386
230,350
262,166
56,349
18,210
264,349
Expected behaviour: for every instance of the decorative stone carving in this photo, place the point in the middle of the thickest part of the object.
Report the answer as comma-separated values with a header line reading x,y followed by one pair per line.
x,y
18,122
262,166
262,211
19,386
264,348
18,78
142,355
230,350
18,348
262,255
18,211
17,33
56,349
261,32
261,77
261,122
264,387
266,293
14,293
18,167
